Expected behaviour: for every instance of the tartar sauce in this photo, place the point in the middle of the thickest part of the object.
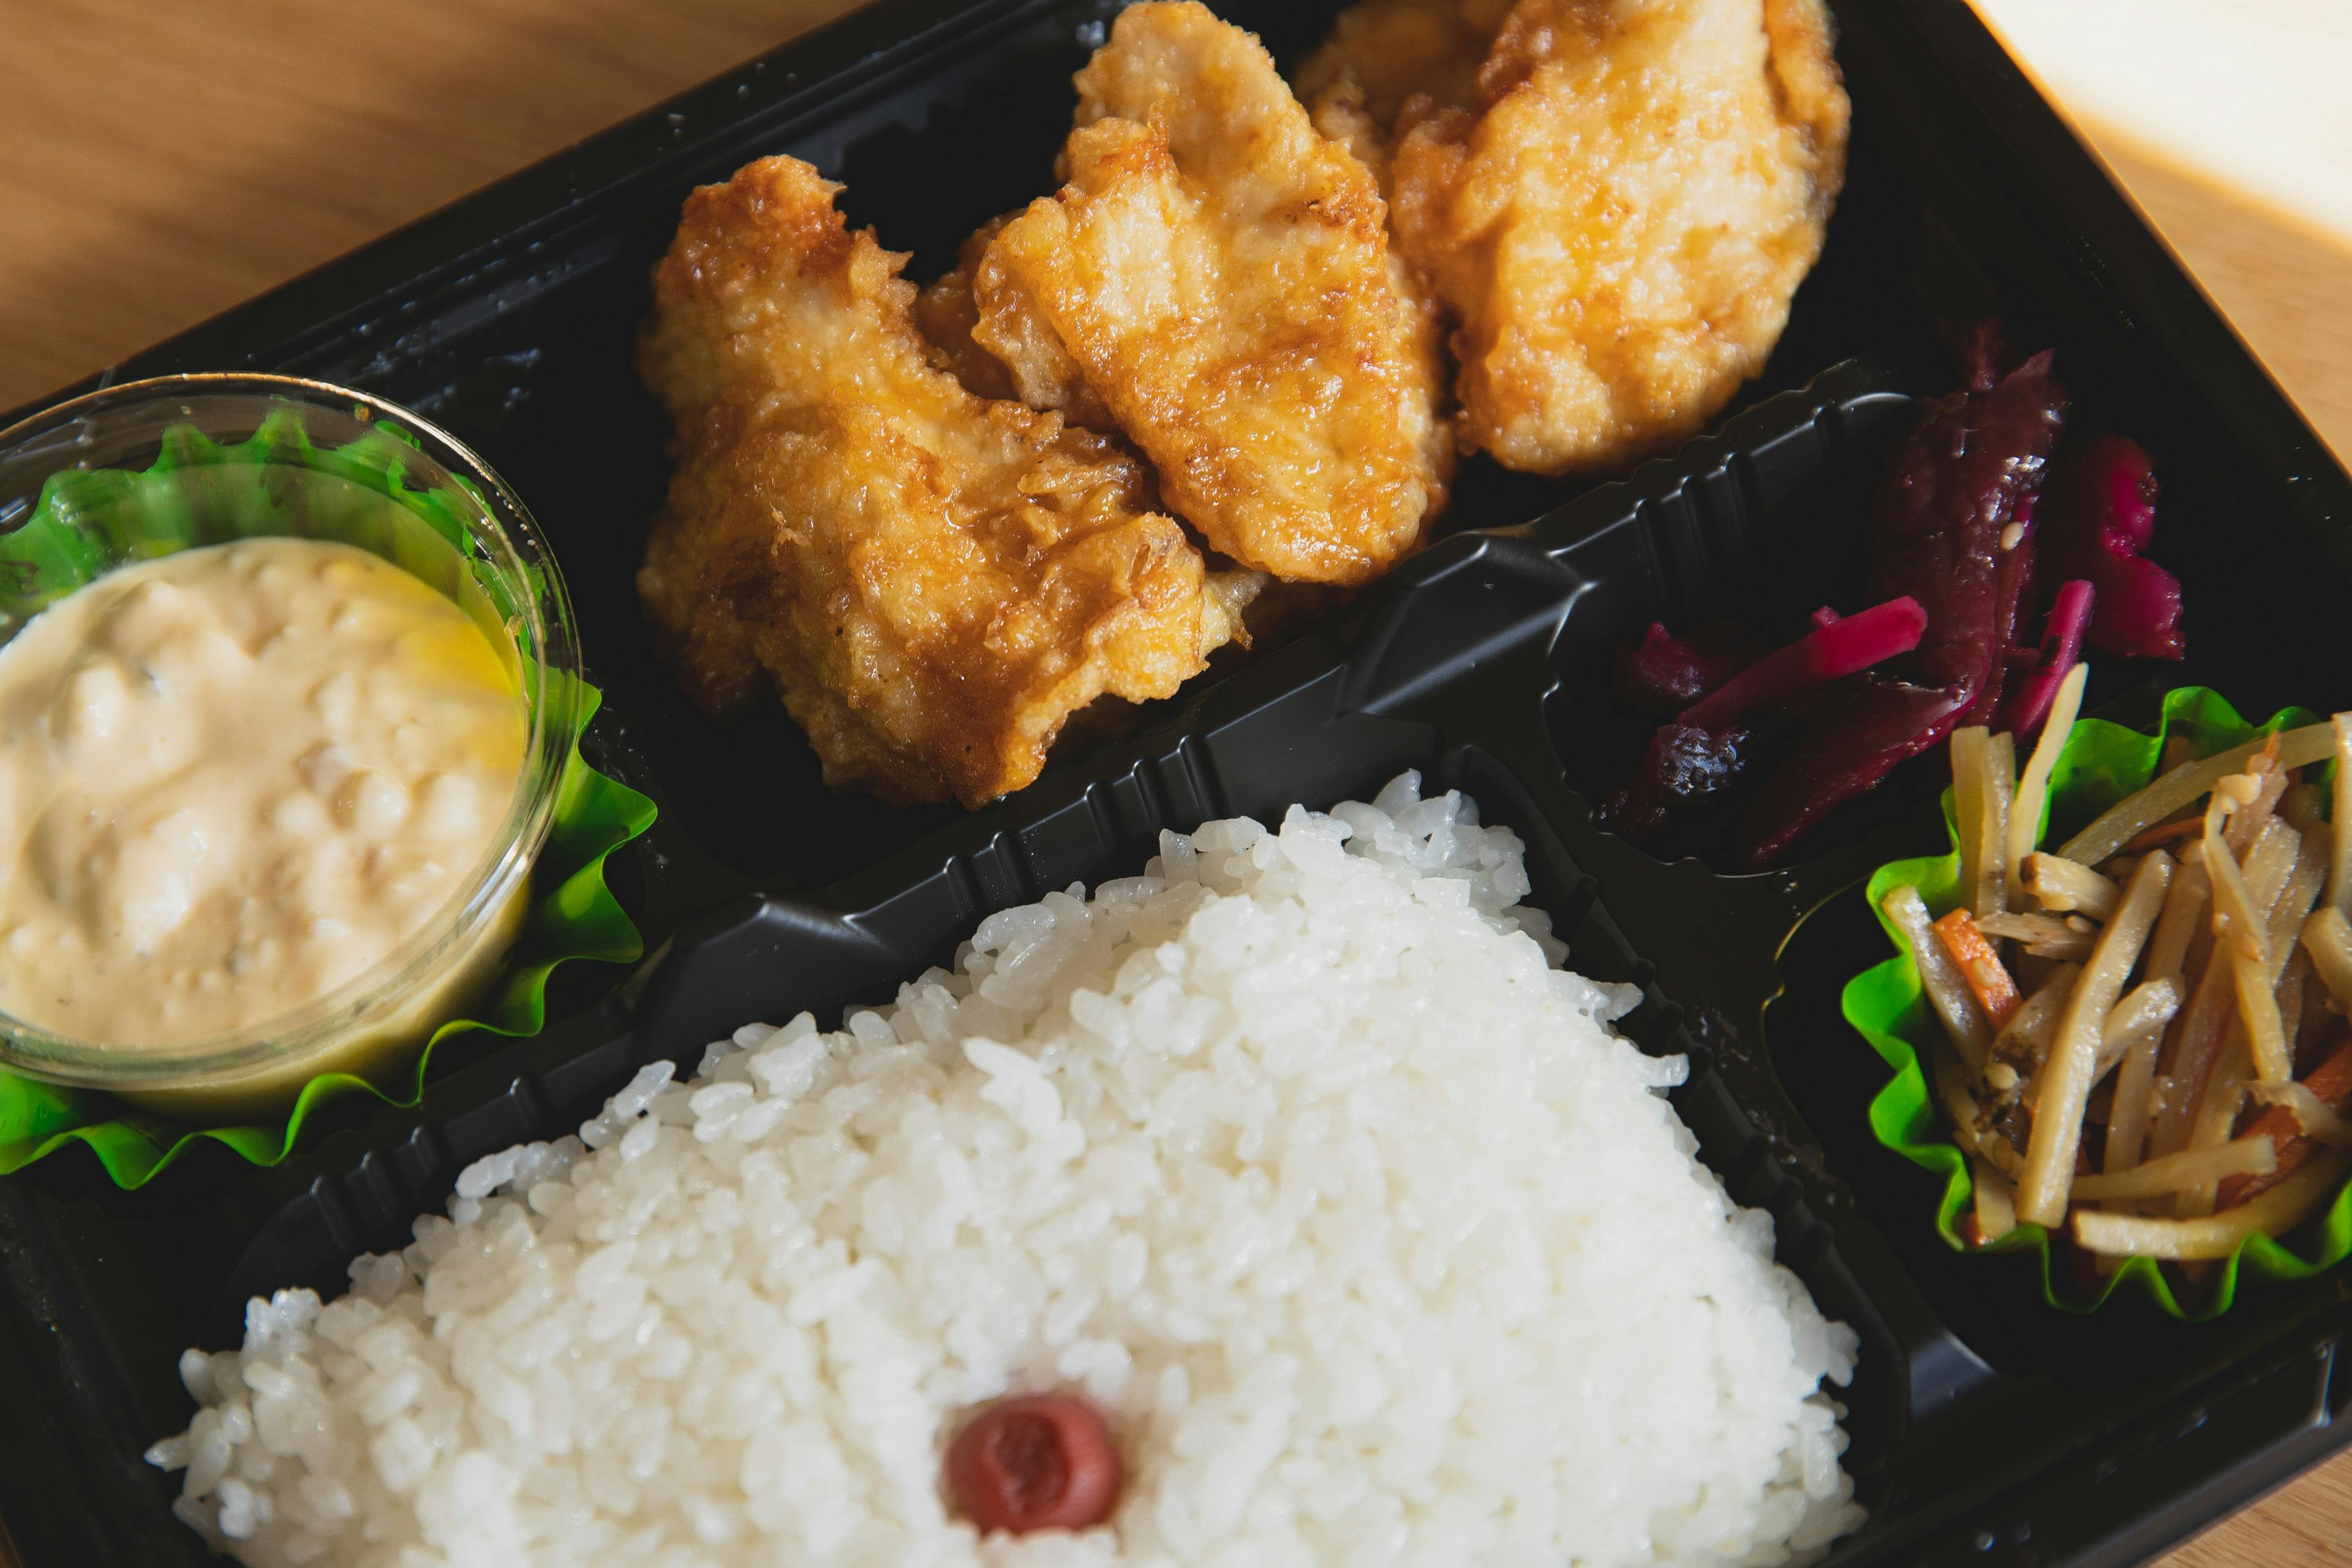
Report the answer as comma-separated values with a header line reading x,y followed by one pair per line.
x,y
233,779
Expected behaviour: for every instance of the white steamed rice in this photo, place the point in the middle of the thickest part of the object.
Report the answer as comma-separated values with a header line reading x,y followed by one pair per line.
x,y
1294,1152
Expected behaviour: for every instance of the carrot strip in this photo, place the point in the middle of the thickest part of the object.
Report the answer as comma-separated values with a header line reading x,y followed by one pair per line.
x,y
1996,993
2331,1080
2164,833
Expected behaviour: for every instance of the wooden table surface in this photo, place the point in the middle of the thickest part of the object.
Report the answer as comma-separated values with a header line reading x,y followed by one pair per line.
x,y
162,163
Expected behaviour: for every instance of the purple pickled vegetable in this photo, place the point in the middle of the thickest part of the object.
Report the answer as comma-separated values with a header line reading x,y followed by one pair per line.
x,y
1823,654
1952,528
1824,616
2012,600
2062,648
1873,723
1682,766
1701,753
1666,674
1985,359
2102,514
1940,524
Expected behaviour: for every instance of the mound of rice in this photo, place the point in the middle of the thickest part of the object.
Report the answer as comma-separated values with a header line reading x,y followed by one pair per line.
x,y
1294,1152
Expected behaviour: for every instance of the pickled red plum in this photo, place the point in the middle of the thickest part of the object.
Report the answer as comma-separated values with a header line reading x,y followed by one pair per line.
x,y
1044,1462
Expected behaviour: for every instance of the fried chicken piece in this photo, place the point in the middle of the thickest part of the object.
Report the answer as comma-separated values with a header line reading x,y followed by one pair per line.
x,y
946,313
1396,49
934,581
1216,274
1034,367
1384,55
1620,224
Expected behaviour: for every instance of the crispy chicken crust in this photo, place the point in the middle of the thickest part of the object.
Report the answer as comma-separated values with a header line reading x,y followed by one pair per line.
x,y
1383,54
947,313
1621,218
934,581
1034,368
1215,277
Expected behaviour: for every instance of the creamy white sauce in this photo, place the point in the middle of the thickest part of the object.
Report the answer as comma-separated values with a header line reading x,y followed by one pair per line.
x,y
235,778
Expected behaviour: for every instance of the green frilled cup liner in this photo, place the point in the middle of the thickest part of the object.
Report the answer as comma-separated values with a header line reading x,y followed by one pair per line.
x,y
2099,765
87,517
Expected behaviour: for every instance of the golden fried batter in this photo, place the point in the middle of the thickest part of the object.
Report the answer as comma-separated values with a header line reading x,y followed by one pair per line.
x,y
1383,54
1620,224
1217,276
1033,366
947,313
934,581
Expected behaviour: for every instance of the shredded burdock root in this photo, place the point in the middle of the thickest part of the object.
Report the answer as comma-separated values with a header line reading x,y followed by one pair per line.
x,y
2274,1213
2063,1088
2184,786
2147,1031
2033,790
2062,886
1984,776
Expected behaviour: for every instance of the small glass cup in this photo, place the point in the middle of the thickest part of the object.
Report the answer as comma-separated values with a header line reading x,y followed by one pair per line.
x,y
140,470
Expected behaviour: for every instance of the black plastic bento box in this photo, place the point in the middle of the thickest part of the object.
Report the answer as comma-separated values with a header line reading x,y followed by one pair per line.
x,y
1986,1427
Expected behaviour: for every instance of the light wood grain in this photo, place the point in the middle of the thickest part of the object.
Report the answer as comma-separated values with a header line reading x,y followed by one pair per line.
x,y
2250,93
160,162
2285,284
2303,1525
